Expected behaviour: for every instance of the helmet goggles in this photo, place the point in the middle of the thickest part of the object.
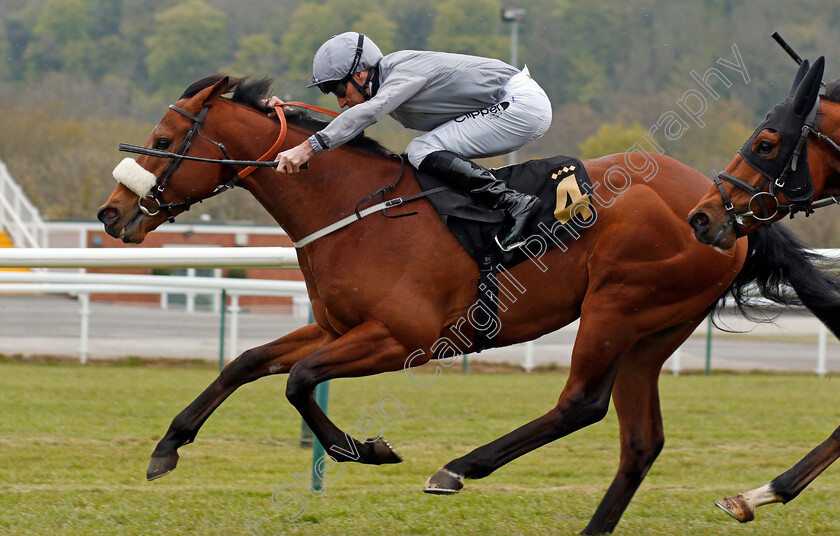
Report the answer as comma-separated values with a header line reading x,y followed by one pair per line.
x,y
336,87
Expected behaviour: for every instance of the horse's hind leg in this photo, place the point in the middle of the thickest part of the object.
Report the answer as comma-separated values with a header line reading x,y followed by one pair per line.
x,y
272,358
600,344
787,485
636,400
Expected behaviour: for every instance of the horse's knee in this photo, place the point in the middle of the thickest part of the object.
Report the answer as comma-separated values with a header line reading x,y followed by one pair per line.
x,y
299,385
593,413
584,409
239,371
575,417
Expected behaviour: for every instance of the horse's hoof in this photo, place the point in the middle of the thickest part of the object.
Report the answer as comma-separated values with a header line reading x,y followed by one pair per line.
x,y
383,452
160,466
444,482
737,507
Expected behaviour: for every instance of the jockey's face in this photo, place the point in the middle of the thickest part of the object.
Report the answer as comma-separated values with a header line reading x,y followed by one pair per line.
x,y
353,97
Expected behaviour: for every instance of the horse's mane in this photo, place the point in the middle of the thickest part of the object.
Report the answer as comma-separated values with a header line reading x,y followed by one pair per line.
x,y
250,93
832,91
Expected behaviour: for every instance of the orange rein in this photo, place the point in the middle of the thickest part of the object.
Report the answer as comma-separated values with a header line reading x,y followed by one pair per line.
x,y
278,108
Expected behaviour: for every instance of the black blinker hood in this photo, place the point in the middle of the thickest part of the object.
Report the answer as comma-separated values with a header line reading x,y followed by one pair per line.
x,y
788,170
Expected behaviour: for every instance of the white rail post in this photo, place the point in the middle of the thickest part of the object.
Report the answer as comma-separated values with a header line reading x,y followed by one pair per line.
x,y
190,294
84,331
529,356
821,352
676,365
234,326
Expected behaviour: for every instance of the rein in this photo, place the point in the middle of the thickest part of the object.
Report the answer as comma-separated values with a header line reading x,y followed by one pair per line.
x,y
266,160
180,155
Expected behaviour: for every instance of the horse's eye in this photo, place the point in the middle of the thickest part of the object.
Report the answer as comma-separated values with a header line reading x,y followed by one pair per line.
x,y
764,147
162,144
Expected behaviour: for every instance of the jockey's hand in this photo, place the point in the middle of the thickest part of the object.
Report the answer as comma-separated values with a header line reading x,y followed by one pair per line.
x,y
271,102
291,160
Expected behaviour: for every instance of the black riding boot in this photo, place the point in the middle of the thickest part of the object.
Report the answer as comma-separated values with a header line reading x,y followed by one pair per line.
x,y
469,176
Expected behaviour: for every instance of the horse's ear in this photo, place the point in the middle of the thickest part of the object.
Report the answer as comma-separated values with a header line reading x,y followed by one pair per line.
x,y
800,74
809,89
217,90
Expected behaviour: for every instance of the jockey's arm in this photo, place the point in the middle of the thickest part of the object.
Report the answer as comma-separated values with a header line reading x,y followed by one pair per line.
x,y
290,160
352,122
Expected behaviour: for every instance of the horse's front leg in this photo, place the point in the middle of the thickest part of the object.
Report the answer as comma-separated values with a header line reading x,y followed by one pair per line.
x,y
787,485
272,358
367,349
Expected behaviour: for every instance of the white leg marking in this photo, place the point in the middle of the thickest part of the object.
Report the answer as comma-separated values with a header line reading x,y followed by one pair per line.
x,y
761,496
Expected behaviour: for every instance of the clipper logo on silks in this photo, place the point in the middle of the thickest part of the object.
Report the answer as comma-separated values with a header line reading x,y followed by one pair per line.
x,y
495,110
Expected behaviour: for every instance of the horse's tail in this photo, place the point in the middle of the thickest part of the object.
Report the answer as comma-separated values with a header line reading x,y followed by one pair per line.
x,y
778,258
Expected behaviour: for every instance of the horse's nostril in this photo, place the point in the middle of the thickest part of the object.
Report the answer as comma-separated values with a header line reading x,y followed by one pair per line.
x,y
108,215
699,221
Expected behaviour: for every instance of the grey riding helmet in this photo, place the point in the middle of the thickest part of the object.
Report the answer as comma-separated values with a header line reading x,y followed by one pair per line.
x,y
342,56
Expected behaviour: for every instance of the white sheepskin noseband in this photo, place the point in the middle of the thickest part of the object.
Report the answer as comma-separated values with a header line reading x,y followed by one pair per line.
x,y
134,177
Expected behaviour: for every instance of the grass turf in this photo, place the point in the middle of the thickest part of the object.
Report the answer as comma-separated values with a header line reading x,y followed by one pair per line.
x,y
75,442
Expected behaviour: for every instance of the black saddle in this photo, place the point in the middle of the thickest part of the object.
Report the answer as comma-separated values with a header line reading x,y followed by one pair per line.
x,y
561,183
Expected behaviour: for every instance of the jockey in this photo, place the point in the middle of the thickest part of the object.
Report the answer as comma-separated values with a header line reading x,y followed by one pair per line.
x,y
469,107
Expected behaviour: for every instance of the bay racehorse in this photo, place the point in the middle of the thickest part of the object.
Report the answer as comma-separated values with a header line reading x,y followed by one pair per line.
x,y
387,291
790,164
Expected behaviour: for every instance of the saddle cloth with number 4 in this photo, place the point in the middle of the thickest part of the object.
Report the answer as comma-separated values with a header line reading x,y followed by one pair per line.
x,y
562,184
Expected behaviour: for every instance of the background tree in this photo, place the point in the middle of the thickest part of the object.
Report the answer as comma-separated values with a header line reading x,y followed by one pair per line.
x,y
728,125
137,24
311,25
610,139
379,28
414,20
108,16
188,43
469,27
61,31
256,55
65,21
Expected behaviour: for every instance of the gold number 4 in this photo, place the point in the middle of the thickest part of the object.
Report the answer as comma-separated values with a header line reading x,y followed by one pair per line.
x,y
571,201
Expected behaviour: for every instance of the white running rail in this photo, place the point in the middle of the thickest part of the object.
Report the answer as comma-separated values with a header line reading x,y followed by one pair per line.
x,y
198,257
85,284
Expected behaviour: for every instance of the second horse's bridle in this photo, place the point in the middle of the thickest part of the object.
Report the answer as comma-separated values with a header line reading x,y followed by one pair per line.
x,y
758,193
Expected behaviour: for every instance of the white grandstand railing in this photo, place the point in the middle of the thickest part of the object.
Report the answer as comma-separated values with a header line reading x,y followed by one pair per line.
x,y
18,216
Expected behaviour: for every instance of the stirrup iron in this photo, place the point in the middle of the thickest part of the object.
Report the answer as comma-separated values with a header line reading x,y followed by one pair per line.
x,y
515,245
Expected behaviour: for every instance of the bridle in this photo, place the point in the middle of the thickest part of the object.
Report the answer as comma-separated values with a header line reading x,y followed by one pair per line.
x,y
180,155
800,191
758,193
162,180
